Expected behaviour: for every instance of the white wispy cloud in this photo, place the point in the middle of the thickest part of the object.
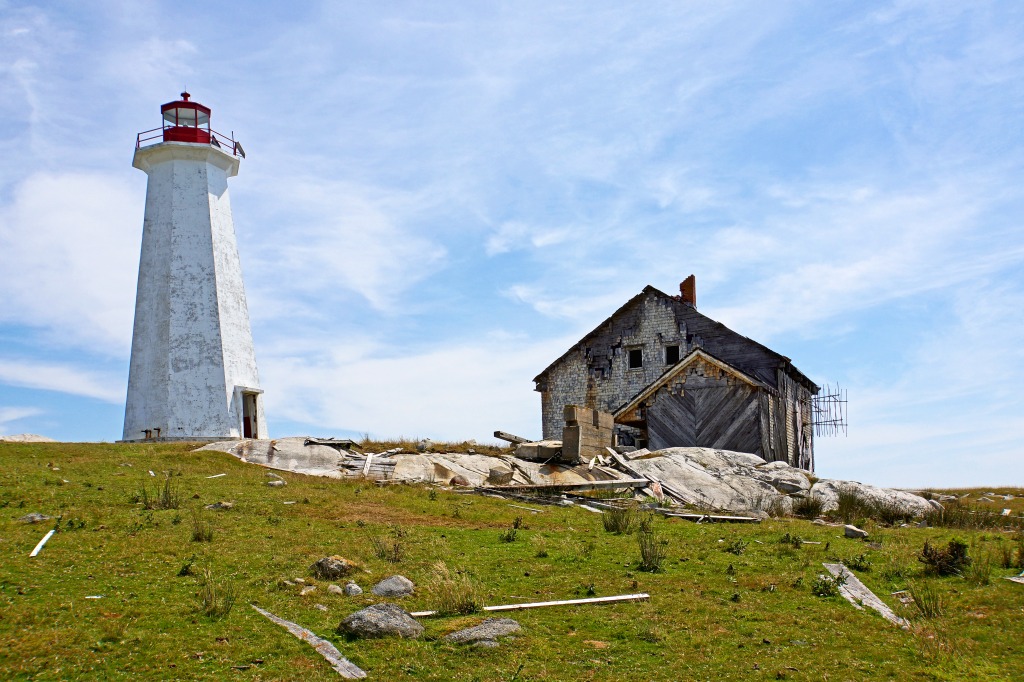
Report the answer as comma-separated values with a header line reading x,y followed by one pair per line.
x,y
345,237
62,378
69,250
463,389
9,415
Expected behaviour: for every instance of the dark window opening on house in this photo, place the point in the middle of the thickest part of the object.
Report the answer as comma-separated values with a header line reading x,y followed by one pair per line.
x,y
636,358
671,355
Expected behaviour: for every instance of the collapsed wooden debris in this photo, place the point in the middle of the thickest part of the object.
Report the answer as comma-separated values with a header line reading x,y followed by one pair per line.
x,y
336,443
860,596
342,665
589,485
641,596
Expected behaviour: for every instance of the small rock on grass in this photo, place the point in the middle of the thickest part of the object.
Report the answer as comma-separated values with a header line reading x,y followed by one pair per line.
x,y
395,586
334,589
223,504
854,532
487,631
276,483
34,517
332,567
381,620
307,590
353,590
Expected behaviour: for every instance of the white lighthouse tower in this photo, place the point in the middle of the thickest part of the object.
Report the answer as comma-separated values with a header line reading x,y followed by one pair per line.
x,y
193,368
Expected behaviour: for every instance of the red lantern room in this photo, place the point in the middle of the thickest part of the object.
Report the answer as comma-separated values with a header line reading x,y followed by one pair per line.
x,y
186,121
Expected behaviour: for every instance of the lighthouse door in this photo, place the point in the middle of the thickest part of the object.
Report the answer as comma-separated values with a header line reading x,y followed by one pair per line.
x,y
249,420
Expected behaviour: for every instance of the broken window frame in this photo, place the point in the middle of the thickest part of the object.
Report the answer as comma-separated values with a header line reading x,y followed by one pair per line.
x,y
635,358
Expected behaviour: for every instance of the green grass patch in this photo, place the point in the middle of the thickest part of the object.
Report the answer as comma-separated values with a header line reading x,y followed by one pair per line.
x,y
172,608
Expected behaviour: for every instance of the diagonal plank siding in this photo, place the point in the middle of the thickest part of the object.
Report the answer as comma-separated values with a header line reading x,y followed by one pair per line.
x,y
724,417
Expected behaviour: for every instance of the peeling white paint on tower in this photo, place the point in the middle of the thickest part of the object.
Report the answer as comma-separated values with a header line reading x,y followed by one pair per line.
x,y
193,368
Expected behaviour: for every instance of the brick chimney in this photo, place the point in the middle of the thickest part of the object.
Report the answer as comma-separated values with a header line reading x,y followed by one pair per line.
x,y
688,291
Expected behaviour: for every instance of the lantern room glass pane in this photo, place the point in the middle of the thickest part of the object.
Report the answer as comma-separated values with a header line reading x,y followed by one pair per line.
x,y
186,117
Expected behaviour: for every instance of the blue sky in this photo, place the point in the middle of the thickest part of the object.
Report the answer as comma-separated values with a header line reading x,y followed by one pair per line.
x,y
440,198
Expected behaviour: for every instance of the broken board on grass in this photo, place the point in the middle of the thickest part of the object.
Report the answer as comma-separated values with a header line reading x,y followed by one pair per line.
x,y
342,665
860,596
713,518
640,596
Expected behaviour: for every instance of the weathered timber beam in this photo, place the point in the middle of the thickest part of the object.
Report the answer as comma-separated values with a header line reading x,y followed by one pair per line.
x,y
510,437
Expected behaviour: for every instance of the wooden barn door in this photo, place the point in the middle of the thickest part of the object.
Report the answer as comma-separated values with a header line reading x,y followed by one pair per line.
x,y
723,417
672,420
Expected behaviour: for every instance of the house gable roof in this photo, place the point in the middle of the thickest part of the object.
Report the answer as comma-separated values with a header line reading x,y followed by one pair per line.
x,y
678,368
675,301
628,304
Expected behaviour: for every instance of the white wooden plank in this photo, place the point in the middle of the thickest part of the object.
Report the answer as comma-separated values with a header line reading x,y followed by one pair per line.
x,y
366,464
640,596
519,506
42,542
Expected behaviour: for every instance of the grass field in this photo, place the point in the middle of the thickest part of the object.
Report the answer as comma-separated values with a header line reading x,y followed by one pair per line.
x,y
732,601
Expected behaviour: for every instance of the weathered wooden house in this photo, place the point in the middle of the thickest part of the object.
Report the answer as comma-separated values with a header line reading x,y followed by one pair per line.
x,y
674,377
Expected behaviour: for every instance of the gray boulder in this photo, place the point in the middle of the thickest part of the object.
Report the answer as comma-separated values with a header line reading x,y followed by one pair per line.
x,y
739,482
332,567
381,620
500,476
487,631
854,532
828,492
353,590
395,586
